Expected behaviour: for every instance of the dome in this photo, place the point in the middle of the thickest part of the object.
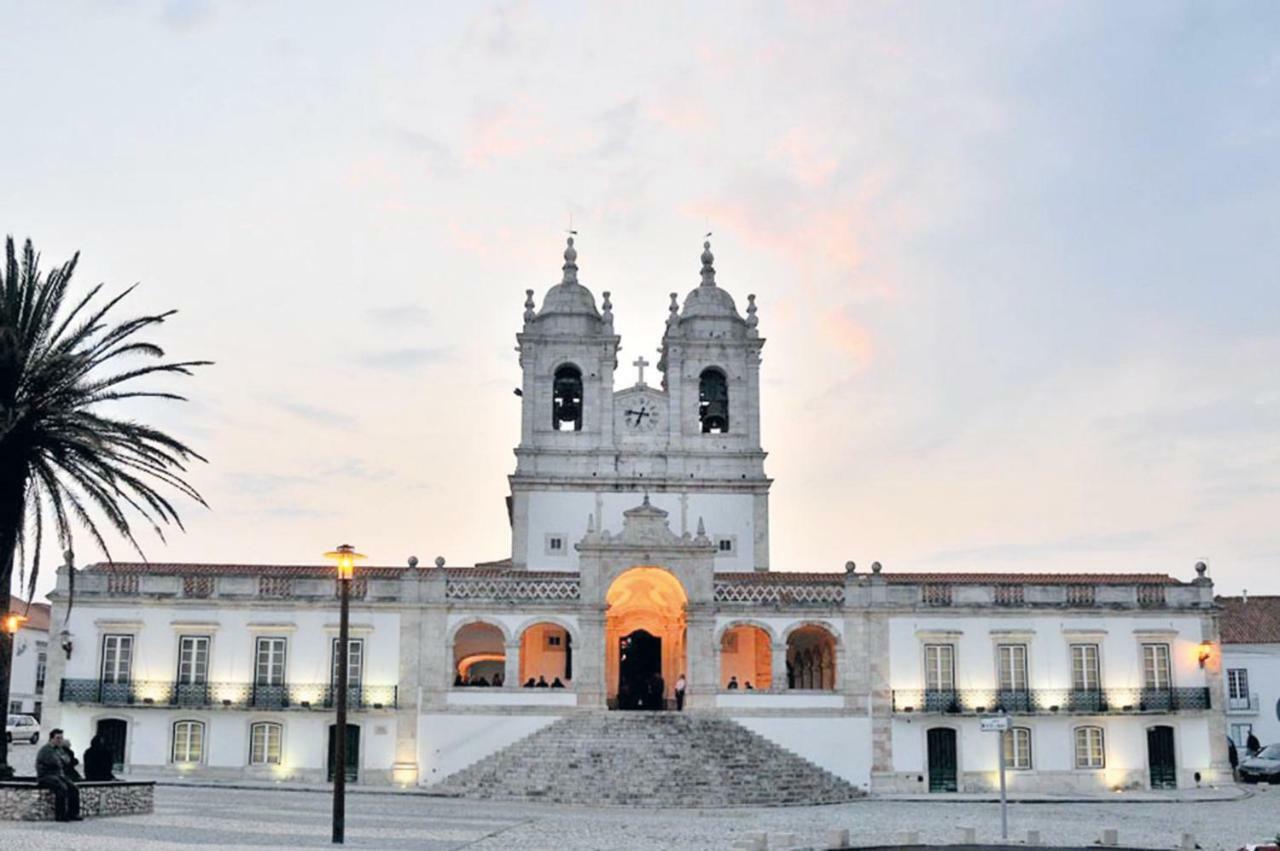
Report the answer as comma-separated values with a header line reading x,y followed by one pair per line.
x,y
708,300
569,296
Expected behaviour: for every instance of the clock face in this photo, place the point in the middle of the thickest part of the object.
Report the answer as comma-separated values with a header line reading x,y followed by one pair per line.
x,y
642,415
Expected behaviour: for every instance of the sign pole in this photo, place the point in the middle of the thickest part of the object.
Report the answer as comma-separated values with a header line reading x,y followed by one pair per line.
x,y
1004,802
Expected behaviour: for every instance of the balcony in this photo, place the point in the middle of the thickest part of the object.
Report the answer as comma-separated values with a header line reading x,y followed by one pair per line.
x,y
1243,705
155,693
1049,701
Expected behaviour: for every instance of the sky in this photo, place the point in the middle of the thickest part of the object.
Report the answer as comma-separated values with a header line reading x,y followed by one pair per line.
x,y
1017,263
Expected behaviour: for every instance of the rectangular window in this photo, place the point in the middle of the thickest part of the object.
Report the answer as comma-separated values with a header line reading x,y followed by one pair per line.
x,y
1090,749
42,664
264,744
117,658
188,741
555,543
939,667
1155,667
15,707
270,662
1238,685
1017,748
355,658
1013,666
1240,733
1085,672
193,660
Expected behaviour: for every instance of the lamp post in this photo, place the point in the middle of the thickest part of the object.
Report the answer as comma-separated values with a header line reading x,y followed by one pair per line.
x,y
346,558
12,622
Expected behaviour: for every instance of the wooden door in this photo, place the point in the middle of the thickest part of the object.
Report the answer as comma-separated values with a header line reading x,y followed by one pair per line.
x,y
942,759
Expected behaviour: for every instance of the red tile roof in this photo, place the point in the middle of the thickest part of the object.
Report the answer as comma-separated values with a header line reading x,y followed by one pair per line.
x,y
1254,622
309,571
37,614
783,576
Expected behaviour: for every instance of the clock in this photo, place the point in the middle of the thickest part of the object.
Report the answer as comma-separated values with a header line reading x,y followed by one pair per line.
x,y
642,416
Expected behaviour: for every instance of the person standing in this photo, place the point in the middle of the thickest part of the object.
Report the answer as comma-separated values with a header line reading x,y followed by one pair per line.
x,y
1252,745
99,761
51,774
680,687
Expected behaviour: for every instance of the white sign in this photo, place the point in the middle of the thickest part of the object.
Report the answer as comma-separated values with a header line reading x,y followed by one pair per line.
x,y
995,725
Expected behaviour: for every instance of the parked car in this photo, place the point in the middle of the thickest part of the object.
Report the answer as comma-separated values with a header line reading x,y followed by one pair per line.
x,y
1262,767
23,728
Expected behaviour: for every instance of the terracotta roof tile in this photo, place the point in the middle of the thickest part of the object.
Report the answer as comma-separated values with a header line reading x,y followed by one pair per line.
x,y
309,571
1254,622
37,614
782,576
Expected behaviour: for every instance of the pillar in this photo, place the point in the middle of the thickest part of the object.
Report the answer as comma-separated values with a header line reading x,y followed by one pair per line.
x,y
588,660
703,670
511,664
778,666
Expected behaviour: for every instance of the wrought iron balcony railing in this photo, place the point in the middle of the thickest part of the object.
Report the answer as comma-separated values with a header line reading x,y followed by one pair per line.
x,y
1114,701
224,695
1243,705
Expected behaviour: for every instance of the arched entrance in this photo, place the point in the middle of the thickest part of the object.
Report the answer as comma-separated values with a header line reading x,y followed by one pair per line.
x,y
645,637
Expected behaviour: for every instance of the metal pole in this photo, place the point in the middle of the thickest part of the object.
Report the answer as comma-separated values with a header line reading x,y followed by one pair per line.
x,y
1004,803
340,733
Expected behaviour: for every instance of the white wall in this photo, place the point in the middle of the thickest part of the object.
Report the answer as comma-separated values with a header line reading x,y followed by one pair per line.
x,y
449,743
841,745
22,683
565,513
1262,661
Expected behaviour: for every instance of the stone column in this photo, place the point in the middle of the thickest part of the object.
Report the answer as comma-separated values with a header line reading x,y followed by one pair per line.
x,y
404,771
435,652
778,666
588,660
511,667
701,657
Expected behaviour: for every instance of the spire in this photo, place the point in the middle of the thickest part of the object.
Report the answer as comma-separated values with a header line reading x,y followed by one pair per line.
x,y
708,271
529,314
570,263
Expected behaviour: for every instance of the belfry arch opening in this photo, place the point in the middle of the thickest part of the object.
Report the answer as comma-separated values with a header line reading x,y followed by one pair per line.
x,y
566,399
645,638
713,401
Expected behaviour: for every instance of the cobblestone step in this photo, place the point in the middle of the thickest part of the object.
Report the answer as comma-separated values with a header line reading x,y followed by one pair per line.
x,y
649,759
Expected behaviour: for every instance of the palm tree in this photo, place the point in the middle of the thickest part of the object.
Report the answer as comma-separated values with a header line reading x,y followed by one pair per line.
x,y
63,462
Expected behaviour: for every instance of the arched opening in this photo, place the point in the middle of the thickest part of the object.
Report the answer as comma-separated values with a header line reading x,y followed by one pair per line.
x,y
479,655
746,658
811,659
566,399
115,736
713,401
546,656
645,637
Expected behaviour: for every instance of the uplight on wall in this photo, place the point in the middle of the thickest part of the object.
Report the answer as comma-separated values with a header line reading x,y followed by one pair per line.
x,y
1206,651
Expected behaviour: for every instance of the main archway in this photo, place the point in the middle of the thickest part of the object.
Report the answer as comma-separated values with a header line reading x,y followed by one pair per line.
x,y
645,637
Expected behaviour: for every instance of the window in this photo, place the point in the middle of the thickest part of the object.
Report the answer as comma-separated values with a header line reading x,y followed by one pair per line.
x,y
554,544
1090,749
270,662
713,402
188,741
1013,666
1240,733
1238,688
42,664
726,546
1017,748
264,744
939,667
1085,673
566,401
15,706
1155,667
355,656
554,640
193,660
117,658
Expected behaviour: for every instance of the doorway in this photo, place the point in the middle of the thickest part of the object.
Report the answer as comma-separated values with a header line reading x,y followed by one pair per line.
x,y
1161,759
114,733
353,752
640,684
942,760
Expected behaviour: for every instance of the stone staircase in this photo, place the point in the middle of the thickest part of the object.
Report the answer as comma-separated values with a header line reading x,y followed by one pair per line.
x,y
649,759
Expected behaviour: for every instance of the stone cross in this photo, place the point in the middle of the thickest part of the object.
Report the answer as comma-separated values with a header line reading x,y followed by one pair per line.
x,y
640,363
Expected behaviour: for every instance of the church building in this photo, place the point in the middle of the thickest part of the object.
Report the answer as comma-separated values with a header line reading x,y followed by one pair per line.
x,y
640,559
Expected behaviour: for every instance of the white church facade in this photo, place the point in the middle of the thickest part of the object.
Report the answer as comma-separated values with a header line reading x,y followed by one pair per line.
x,y
640,556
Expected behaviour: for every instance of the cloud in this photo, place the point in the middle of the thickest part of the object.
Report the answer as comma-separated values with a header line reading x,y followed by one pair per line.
x,y
807,156
315,414
438,156
849,336
397,360
399,315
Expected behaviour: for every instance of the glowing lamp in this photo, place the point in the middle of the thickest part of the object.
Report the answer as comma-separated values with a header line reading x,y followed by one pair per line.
x,y
346,557
1205,648
13,622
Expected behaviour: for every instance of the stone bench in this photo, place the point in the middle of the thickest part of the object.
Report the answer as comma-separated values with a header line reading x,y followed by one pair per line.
x,y
22,800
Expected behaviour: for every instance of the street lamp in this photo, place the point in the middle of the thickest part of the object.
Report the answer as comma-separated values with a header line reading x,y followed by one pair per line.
x,y
9,626
346,558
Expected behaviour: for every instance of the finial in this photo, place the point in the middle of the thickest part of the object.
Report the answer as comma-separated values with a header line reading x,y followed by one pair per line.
x,y
850,567
413,561
646,497
570,263
529,315
439,561
591,522
875,567
708,271
607,314
752,319
674,308
1201,568
702,528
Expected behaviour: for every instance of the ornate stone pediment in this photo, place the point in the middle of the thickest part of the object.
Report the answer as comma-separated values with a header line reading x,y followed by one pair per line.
x,y
644,527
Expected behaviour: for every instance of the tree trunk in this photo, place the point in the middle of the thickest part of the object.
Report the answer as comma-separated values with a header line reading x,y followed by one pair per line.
x,y
13,485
